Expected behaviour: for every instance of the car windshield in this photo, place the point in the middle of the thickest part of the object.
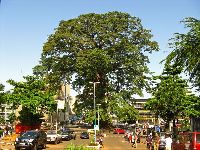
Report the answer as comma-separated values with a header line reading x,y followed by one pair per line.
x,y
84,133
65,133
51,132
198,138
29,134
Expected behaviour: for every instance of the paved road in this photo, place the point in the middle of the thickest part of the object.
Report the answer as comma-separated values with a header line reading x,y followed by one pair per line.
x,y
117,142
111,142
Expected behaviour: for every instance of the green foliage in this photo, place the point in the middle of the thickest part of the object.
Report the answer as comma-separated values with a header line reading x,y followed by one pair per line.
x,y
1,132
73,147
169,96
192,106
27,117
123,109
2,120
99,47
2,94
186,50
35,98
111,48
11,117
185,125
2,101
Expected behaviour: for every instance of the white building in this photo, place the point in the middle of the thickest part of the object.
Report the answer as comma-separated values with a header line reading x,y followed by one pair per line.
x,y
5,111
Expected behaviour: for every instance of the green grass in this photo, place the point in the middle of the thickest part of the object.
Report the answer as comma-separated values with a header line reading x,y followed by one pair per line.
x,y
73,147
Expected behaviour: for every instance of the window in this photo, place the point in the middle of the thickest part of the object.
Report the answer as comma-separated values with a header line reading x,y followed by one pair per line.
x,y
198,138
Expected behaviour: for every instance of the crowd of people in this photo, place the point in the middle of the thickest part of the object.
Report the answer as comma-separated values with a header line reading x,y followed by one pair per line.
x,y
7,130
153,142
133,138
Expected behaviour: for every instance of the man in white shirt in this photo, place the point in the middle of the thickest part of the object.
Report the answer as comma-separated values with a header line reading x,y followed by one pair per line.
x,y
168,142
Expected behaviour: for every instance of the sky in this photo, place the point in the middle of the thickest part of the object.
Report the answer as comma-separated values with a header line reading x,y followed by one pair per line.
x,y
26,24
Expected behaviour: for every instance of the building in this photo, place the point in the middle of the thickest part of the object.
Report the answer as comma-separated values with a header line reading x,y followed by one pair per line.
x,y
145,116
5,111
64,112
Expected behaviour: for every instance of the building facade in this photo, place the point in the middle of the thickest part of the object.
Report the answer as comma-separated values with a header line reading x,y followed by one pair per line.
x,y
146,117
5,111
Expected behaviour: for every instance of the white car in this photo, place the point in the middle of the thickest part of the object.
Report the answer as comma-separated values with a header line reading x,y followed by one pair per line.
x,y
53,137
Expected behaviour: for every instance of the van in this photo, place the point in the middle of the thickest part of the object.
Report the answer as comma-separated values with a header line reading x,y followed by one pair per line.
x,y
187,141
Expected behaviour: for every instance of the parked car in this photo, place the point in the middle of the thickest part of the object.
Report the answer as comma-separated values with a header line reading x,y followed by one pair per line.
x,y
73,134
84,135
67,135
31,140
118,131
187,140
54,137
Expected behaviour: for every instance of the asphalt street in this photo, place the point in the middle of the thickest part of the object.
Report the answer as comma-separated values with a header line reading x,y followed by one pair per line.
x,y
110,141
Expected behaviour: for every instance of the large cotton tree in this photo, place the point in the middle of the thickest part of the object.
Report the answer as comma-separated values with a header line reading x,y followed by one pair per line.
x,y
110,48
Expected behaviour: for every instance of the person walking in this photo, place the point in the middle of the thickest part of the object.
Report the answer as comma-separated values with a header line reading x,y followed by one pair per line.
x,y
130,138
156,140
149,141
168,142
101,141
135,140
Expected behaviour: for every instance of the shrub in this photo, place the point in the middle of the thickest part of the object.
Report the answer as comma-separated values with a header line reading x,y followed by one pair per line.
x,y
73,147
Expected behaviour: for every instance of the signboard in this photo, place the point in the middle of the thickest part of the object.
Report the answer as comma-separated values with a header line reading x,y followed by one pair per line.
x,y
60,104
157,128
96,127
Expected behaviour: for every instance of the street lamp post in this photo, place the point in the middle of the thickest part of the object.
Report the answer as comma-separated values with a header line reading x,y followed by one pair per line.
x,y
95,132
65,99
98,116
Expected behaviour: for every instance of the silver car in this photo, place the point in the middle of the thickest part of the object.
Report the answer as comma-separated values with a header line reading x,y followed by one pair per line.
x,y
53,137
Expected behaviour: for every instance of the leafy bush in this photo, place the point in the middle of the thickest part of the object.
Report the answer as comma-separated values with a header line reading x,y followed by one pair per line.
x,y
92,143
73,147
1,132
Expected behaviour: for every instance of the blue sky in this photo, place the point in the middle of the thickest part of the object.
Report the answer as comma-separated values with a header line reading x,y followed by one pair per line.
x,y
26,24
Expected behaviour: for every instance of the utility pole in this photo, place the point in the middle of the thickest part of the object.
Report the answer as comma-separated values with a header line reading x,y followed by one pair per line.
x,y
95,132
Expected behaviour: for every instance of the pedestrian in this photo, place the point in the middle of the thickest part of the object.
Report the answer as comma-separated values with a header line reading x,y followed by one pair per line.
x,y
156,140
168,142
135,140
74,136
130,138
101,141
149,141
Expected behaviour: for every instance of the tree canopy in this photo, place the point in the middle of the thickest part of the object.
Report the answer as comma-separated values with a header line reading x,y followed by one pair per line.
x,y
186,50
2,94
34,97
110,48
100,47
169,96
